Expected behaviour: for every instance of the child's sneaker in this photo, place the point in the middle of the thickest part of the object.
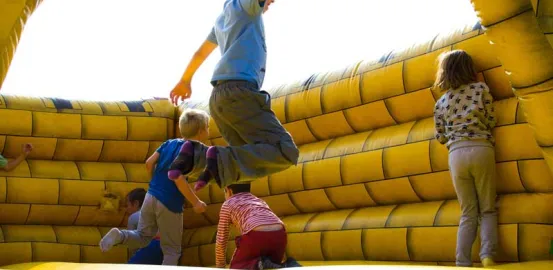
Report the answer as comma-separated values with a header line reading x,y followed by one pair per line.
x,y
486,262
291,262
266,263
112,238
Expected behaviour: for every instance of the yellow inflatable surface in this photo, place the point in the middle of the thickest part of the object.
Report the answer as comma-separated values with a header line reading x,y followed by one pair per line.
x,y
372,187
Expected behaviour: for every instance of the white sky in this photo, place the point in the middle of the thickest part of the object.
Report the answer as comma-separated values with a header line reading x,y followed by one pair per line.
x,y
131,49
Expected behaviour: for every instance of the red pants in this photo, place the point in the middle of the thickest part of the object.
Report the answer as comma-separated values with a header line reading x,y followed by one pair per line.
x,y
255,244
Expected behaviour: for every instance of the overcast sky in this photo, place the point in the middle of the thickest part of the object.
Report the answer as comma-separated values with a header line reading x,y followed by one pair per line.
x,y
131,49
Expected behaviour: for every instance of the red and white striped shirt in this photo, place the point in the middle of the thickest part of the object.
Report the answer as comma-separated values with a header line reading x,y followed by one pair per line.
x,y
246,212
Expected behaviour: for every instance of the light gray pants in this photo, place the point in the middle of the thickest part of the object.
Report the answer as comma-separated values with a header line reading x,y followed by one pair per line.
x,y
258,143
153,216
472,166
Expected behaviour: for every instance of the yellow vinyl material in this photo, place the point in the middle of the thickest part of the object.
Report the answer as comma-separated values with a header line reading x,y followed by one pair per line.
x,y
372,187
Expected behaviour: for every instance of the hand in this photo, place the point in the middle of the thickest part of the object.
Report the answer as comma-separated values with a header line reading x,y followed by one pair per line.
x,y
26,149
181,92
200,207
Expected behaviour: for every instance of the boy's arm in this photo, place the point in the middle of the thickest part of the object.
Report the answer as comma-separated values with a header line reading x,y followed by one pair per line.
x,y
183,89
222,237
151,162
440,125
10,165
186,190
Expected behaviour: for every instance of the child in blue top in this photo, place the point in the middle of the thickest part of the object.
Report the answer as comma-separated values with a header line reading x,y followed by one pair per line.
x,y
164,203
258,143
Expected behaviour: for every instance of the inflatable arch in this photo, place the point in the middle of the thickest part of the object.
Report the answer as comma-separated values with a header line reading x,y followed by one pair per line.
x,y
372,187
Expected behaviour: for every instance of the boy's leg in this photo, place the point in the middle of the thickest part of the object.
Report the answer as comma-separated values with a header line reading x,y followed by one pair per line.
x,y
459,162
170,229
134,239
247,253
275,245
246,113
256,245
484,174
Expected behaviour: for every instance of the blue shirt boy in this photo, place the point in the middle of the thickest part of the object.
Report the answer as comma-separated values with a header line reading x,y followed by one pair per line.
x,y
239,33
161,187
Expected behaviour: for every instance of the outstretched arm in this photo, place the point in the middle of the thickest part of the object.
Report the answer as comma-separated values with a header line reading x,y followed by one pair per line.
x,y
222,237
182,185
183,90
151,162
12,164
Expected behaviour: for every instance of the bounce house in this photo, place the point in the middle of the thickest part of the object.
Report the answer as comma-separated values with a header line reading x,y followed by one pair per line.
x,y
372,188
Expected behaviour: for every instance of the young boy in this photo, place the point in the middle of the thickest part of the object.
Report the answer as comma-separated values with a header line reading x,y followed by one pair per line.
x,y
262,243
259,144
7,166
152,254
164,202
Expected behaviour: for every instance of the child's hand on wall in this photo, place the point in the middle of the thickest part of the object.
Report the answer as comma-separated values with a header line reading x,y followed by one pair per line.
x,y
26,149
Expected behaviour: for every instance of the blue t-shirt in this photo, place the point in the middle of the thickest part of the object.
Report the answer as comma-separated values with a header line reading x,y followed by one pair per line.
x,y
161,187
240,35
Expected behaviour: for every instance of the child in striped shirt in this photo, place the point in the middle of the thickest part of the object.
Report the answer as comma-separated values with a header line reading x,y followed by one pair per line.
x,y
262,243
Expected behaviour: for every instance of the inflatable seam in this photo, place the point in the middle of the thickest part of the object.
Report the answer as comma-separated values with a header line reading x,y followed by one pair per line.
x,y
522,88
321,239
347,122
521,178
28,214
346,220
328,197
529,9
370,193
387,223
431,45
407,238
305,228
414,190
294,203
363,249
518,242
438,213
77,215
311,130
195,230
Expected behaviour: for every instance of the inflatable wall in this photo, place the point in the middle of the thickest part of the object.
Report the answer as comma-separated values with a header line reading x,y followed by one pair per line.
x,y
372,185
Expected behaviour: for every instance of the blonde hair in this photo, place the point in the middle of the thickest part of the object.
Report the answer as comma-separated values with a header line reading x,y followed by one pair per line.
x,y
455,68
192,121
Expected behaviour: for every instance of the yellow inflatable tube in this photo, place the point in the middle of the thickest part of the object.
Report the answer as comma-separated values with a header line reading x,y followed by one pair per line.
x,y
541,265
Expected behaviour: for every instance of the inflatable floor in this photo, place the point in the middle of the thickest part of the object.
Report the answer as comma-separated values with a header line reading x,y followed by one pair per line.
x,y
372,187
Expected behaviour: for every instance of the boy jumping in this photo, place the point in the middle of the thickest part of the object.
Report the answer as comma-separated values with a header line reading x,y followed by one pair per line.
x,y
163,205
262,243
258,143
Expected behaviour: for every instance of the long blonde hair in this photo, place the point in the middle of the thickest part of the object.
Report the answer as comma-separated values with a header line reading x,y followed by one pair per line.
x,y
455,68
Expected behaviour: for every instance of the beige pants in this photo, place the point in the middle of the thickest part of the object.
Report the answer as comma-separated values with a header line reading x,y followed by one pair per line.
x,y
472,166
154,217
